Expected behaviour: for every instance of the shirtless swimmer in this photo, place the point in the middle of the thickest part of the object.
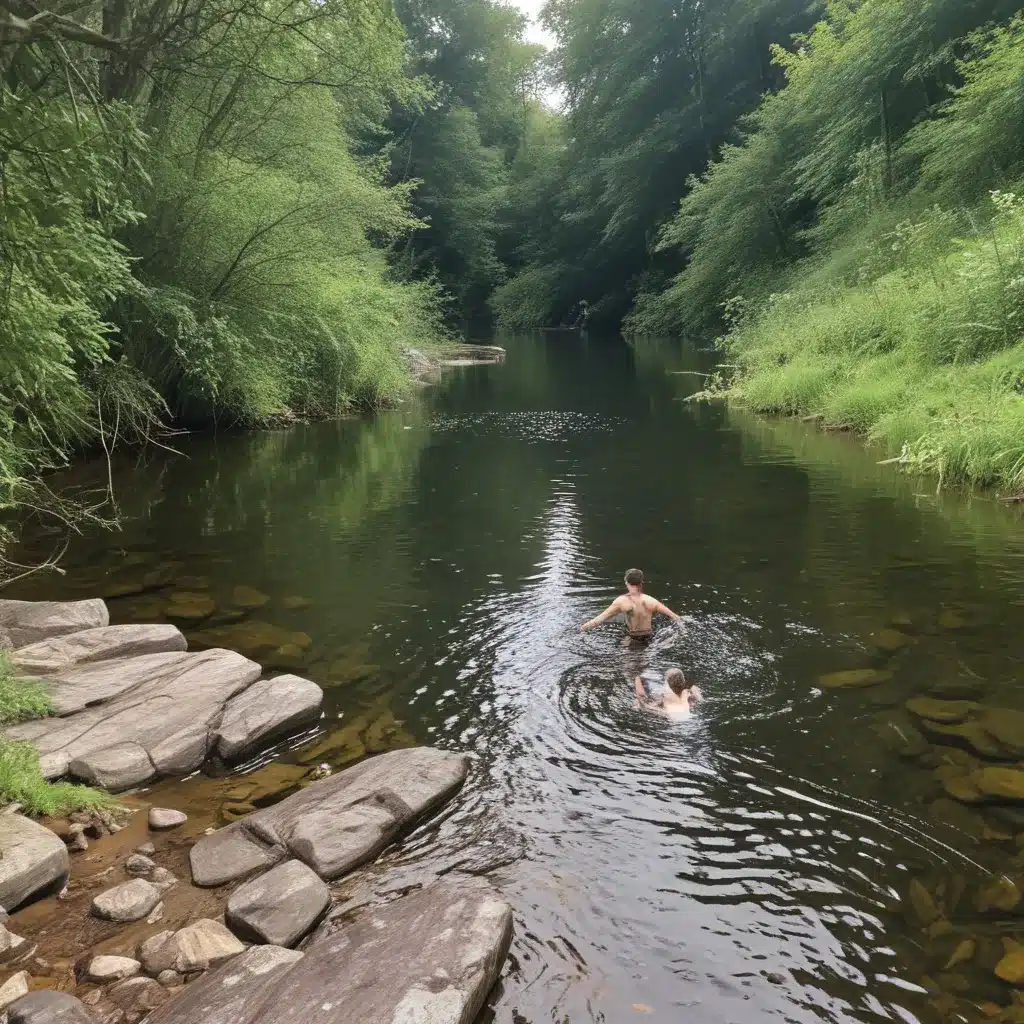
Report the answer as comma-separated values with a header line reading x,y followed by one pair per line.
x,y
638,608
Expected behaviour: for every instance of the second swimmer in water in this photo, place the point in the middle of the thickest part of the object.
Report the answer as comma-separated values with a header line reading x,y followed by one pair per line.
x,y
638,608
678,700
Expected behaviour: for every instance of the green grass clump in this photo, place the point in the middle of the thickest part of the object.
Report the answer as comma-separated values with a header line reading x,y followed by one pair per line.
x,y
922,351
21,781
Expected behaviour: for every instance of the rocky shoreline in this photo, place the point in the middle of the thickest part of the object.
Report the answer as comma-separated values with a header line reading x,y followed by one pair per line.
x,y
268,943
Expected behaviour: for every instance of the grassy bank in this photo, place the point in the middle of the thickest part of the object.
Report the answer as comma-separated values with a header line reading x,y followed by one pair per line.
x,y
912,336
20,778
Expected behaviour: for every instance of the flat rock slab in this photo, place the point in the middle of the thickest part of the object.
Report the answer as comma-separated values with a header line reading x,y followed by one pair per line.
x,y
228,994
129,720
32,859
48,1007
100,644
129,901
266,710
430,958
27,622
336,824
279,907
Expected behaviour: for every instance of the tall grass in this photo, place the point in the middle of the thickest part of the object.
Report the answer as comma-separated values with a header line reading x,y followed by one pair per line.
x,y
21,781
918,343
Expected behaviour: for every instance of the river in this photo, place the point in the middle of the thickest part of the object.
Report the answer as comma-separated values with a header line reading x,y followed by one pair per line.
x,y
752,861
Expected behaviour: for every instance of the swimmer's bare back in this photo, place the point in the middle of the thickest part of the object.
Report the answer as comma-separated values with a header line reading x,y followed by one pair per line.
x,y
639,610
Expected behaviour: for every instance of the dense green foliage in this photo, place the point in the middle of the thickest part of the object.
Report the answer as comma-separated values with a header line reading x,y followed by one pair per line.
x,y
20,777
237,211
821,188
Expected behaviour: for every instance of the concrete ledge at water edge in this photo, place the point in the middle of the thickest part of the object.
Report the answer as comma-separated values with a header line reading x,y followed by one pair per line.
x,y
430,956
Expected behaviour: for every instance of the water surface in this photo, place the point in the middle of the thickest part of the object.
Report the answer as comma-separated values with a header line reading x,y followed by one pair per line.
x,y
745,864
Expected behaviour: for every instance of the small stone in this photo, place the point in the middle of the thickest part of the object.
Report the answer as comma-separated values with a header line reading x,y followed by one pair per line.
x,y
138,995
939,928
1000,893
139,866
112,968
164,817
998,783
963,954
248,598
157,914
12,947
947,712
962,788
1011,967
922,904
162,878
951,620
76,837
169,978
146,849
889,641
193,948
854,678
190,607
14,988
129,901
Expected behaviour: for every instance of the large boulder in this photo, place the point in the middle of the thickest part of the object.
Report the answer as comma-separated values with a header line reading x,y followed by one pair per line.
x,y
336,824
227,995
128,720
279,907
99,644
266,710
32,859
430,957
27,622
48,1007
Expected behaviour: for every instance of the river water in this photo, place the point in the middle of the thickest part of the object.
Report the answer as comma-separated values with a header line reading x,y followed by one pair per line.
x,y
752,861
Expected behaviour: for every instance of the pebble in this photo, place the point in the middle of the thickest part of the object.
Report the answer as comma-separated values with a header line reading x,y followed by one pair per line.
x,y
76,838
146,849
165,817
169,978
162,878
139,866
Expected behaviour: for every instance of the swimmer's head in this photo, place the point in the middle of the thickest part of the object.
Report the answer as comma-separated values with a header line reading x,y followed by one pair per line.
x,y
635,578
675,681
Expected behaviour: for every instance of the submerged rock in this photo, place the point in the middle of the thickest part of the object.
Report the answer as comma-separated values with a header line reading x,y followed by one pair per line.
x,y
266,710
279,907
998,783
999,893
889,641
129,901
295,603
32,859
255,639
189,606
1011,967
430,957
900,735
132,719
338,823
854,678
27,622
922,904
99,644
249,598
944,711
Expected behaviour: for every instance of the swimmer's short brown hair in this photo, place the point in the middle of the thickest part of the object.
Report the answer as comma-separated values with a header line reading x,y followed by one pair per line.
x,y
676,681
634,578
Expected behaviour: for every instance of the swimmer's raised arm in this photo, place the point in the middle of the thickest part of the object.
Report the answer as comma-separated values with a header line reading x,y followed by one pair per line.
x,y
609,613
665,610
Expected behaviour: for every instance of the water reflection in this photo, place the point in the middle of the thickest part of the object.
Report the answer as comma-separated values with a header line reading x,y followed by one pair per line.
x,y
752,860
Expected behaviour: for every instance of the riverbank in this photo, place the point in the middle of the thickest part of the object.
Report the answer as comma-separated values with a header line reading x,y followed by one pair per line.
x,y
246,889
922,356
